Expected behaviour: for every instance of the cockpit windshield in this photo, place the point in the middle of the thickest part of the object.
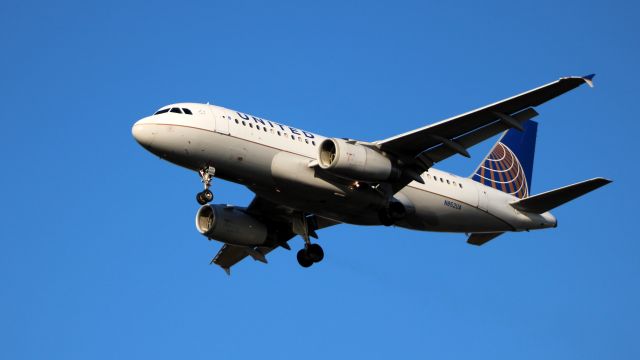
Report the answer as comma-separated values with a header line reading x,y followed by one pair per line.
x,y
174,110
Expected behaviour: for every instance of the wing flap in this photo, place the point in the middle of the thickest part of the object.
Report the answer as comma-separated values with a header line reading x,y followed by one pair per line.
x,y
546,201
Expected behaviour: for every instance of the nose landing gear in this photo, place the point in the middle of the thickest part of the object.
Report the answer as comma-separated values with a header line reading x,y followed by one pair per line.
x,y
206,175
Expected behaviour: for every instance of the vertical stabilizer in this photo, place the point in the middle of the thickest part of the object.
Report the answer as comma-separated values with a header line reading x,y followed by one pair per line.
x,y
509,165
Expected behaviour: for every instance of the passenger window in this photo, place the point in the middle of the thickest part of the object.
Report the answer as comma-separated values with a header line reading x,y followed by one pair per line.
x,y
278,132
313,142
187,111
460,186
306,140
442,181
448,182
258,127
237,121
161,111
293,137
176,110
264,128
251,125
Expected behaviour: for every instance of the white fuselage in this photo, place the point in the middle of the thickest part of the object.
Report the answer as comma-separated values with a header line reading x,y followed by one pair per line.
x,y
273,160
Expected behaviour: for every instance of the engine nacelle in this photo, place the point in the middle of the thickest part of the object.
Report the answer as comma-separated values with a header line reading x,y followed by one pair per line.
x,y
355,162
230,225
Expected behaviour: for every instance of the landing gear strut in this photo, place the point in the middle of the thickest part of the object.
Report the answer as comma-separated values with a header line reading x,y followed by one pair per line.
x,y
206,175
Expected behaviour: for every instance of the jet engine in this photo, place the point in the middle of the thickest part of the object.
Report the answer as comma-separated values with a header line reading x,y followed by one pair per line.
x,y
355,162
230,225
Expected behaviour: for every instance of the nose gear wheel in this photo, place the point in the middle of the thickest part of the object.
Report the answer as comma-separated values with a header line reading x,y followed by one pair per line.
x,y
204,197
206,175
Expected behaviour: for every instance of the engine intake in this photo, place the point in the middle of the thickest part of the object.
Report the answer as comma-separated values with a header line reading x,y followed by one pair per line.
x,y
355,162
230,225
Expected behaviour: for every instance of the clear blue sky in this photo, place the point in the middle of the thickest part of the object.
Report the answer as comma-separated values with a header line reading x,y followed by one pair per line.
x,y
100,258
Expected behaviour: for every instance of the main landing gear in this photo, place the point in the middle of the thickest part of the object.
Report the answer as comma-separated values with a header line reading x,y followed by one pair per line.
x,y
206,174
305,227
312,253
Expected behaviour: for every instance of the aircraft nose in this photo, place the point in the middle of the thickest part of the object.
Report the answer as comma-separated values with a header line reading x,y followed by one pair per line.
x,y
143,133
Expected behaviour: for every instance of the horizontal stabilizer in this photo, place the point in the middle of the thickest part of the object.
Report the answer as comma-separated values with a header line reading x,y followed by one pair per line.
x,y
481,238
546,201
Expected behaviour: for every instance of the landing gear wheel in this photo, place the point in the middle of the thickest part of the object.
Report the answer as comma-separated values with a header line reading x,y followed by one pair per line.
x,y
208,195
312,253
201,198
315,252
303,259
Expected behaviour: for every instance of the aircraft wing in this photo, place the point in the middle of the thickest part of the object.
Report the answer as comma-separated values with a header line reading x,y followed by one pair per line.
x,y
433,143
279,219
479,239
230,255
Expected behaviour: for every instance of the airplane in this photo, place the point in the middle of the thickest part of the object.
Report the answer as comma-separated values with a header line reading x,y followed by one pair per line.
x,y
304,182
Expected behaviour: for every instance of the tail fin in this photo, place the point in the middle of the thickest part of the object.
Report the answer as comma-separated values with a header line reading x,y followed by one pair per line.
x,y
509,165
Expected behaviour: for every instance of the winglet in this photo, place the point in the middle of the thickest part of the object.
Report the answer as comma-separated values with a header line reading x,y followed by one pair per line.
x,y
589,79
